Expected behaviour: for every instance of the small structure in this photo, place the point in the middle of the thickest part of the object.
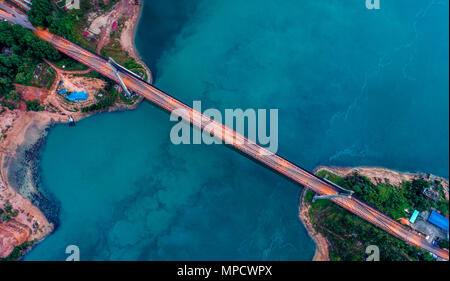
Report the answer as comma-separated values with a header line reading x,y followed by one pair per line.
x,y
114,25
7,51
438,220
414,216
71,121
60,84
431,193
38,70
77,96
429,229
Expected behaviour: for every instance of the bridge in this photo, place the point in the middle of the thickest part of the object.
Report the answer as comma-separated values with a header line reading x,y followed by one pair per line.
x,y
238,141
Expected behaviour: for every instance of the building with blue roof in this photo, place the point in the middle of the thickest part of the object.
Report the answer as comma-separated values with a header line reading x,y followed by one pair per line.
x,y
438,220
77,96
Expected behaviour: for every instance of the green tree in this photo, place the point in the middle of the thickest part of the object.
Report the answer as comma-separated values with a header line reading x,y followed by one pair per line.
x,y
40,13
13,96
27,50
34,106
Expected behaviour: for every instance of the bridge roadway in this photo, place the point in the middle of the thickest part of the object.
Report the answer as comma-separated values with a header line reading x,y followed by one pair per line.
x,y
237,140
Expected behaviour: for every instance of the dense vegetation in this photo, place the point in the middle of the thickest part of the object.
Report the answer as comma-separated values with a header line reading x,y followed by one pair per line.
x,y
349,235
41,13
33,106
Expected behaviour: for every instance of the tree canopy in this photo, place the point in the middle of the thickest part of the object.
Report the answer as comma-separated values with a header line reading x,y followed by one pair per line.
x,y
59,22
41,13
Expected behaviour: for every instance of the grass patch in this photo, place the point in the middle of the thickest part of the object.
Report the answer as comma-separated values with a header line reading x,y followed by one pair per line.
x,y
330,176
114,50
70,64
43,76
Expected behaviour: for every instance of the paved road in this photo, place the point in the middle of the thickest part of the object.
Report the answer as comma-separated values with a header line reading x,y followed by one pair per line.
x,y
243,144
14,16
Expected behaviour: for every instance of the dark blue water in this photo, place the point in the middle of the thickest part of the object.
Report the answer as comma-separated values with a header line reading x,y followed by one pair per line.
x,y
353,87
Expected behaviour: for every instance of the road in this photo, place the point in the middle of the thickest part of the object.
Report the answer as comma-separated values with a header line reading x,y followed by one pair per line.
x,y
241,143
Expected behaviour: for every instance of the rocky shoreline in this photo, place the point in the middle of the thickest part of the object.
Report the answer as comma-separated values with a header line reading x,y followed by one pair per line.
x,y
23,176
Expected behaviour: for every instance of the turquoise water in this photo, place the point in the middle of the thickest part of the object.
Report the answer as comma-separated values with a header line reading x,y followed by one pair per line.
x,y
353,87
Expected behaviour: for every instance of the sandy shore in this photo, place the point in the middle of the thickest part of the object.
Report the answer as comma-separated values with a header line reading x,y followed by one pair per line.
x,y
19,152
128,35
127,39
27,130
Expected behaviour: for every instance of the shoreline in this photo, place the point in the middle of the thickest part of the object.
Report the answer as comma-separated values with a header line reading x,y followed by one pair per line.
x,y
29,130
381,175
376,175
131,31
19,159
